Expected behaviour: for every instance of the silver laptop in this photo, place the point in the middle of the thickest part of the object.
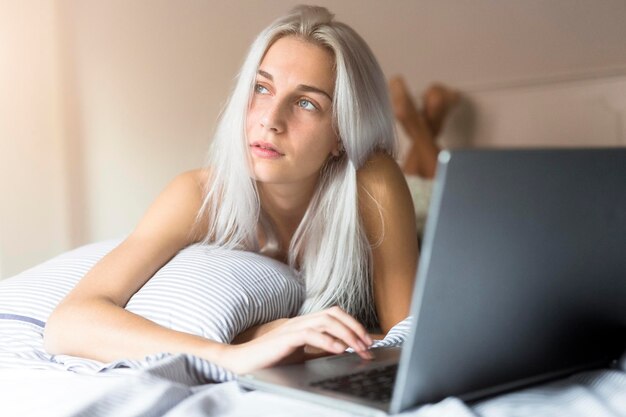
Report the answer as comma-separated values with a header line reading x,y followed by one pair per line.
x,y
521,279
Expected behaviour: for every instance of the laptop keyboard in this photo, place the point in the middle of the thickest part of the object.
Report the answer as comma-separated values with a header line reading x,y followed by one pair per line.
x,y
375,384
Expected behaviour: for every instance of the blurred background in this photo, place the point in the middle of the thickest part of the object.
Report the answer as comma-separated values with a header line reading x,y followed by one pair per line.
x,y
103,102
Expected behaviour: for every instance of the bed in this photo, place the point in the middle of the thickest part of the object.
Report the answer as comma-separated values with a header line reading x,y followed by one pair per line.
x,y
34,383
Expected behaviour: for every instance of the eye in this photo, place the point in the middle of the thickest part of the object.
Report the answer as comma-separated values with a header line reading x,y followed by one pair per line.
x,y
259,89
307,105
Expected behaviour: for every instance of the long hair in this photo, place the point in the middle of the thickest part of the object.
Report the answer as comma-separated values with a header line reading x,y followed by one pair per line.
x,y
329,247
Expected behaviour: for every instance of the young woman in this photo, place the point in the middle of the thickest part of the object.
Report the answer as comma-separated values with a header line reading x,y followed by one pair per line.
x,y
301,169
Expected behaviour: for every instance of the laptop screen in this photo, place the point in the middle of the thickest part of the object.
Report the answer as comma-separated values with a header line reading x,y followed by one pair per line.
x,y
522,275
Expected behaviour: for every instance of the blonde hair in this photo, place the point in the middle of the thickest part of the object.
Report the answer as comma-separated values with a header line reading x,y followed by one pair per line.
x,y
329,246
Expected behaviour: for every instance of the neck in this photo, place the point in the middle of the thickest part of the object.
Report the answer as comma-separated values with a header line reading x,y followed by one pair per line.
x,y
286,204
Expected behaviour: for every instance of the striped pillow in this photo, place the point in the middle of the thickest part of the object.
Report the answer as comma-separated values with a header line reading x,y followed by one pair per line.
x,y
218,293
212,292
32,295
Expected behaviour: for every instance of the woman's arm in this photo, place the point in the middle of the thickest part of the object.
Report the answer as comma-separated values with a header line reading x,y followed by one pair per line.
x,y
92,322
387,211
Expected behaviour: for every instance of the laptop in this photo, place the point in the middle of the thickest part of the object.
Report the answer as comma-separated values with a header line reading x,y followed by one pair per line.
x,y
521,279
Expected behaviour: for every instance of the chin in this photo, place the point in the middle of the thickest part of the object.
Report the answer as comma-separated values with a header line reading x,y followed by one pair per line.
x,y
268,177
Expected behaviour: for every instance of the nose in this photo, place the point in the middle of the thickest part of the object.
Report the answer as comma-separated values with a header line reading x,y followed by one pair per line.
x,y
273,118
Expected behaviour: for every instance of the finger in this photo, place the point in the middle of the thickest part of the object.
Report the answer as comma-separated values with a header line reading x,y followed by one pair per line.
x,y
351,323
328,343
335,328
319,340
340,331
337,324
311,352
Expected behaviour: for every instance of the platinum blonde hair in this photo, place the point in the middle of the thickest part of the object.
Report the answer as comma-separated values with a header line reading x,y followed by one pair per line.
x,y
330,246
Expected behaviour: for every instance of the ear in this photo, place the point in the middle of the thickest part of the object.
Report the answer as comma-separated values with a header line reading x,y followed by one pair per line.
x,y
338,149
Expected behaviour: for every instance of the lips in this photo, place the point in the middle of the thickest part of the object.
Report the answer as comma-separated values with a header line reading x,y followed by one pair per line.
x,y
265,145
265,149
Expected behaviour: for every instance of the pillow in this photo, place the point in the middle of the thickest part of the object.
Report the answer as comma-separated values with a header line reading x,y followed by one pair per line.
x,y
218,293
33,294
212,292
215,293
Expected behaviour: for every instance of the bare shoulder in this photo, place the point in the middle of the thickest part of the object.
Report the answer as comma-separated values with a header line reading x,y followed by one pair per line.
x,y
187,188
174,212
380,178
384,196
196,178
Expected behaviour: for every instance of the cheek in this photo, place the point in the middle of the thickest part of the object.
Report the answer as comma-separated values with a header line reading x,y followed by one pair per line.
x,y
319,149
319,136
330,140
252,116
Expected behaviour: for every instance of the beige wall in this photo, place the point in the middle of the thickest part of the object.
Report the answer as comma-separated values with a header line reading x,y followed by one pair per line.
x,y
103,102
33,170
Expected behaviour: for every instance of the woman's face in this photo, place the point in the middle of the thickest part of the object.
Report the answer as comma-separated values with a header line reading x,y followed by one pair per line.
x,y
289,123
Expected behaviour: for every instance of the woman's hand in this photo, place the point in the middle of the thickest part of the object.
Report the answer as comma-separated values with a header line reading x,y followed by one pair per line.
x,y
330,330
257,331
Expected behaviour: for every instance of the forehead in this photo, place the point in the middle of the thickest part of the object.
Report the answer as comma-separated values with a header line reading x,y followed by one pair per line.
x,y
291,59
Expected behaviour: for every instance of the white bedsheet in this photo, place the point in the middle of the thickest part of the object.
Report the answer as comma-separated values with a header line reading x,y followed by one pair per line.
x,y
599,393
145,393
33,383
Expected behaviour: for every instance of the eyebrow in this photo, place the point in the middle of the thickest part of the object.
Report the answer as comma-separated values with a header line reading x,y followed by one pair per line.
x,y
302,87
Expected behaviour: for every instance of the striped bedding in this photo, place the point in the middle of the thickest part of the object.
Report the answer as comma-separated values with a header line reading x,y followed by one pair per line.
x,y
172,385
207,291
211,292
